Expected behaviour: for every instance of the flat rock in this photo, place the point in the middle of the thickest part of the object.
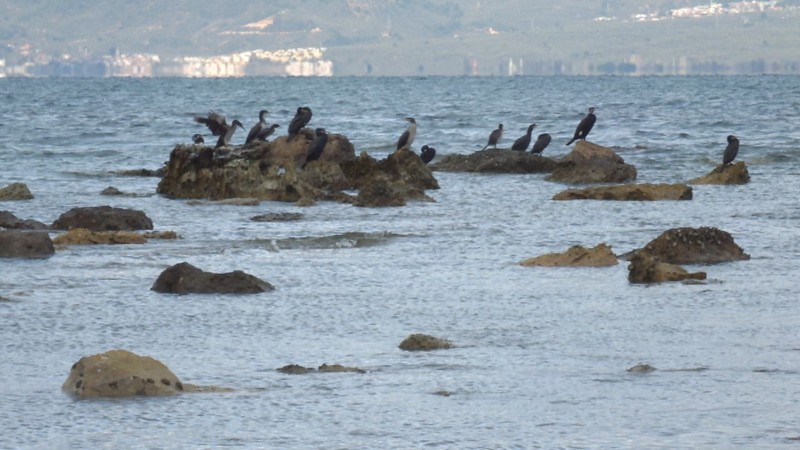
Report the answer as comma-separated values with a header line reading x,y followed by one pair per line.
x,y
15,191
10,221
495,161
82,236
25,244
635,192
103,218
644,268
576,256
184,278
592,163
338,368
277,217
695,246
424,342
725,174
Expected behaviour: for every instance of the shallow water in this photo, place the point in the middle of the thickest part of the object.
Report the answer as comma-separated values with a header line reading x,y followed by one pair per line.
x,y
541,353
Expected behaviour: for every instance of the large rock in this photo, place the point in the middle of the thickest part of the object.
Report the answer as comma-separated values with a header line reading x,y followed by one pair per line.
x,y
644,268
120,373
695,246
629,192
725,174
495,161
103,218
592,163
576,256
15,191
25,244
424,342
10,221
82,236
274,171
184,278
402,176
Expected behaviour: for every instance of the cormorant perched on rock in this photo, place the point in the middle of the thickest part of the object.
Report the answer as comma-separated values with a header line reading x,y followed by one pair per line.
x,y
427,154
541,143
300,119
258,128
522,143
494,137
407,138
731,150
219,127
584,127
317,145
198,139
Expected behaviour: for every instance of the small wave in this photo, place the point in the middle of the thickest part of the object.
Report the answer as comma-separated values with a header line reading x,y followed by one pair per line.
x,y
344,240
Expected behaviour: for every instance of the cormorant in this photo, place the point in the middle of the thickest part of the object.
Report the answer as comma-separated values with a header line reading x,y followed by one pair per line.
x,y
731,150
584,127
300,119
494,137
198,139
427,154
407,138
522,143
219,127
258,127
541,143
317,145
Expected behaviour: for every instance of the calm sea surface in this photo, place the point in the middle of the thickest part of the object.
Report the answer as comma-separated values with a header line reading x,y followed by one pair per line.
x,y
541,353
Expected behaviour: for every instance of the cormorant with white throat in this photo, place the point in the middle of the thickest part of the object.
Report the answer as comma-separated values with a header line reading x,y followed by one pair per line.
x,y
219,127
541,143
427,154
407,138
494,137
731,150
317,145
522,143
300,119
584,127
198,139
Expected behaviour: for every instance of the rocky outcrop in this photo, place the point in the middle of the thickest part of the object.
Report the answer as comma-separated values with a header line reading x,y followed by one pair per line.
x,y
636,192
424,342
12,222
495,161
274,171
725,174
120,373
15,191
103,218
25,244
576,256
295,369
82,236
644,268
184,278
695,246
592,163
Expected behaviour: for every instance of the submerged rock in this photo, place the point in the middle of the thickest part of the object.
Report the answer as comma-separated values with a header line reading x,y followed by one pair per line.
x,y
10,221
295,369
424,342
495,161
338,368
725,174
15,191
592,163
644,268
184,278
277,217
25,244
642,368
103,218
576,256
636,192
695,246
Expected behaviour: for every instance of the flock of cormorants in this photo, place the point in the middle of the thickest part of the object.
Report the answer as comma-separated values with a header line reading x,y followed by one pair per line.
x,y
261,131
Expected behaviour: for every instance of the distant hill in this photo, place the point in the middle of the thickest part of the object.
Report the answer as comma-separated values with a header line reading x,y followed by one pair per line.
x,y
406,37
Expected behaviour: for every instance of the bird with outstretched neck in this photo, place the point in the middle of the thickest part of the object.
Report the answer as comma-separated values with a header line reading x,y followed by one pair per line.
x,y
522,143
258,128
219,127
407,138
494,137
584,126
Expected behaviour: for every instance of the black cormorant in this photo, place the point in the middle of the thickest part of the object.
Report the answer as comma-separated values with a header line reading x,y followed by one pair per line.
x,y
731,150
219,127
427,154
317,145
494,137
522,143
258,127
541,143
584,127
300,119
198,139
407,138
